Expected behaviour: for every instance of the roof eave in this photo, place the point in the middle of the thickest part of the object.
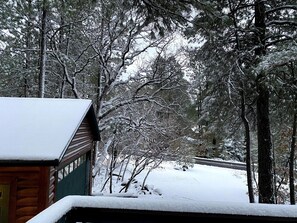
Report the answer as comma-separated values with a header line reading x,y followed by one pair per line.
x,y
54,162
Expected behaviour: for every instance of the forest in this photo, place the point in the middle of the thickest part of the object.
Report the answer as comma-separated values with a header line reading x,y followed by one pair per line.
x,y
229,90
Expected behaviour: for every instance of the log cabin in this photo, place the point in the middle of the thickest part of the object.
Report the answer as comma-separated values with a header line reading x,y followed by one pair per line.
x,y
46,150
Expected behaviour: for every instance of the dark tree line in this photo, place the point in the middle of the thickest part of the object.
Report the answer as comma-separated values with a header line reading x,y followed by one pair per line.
x,y
241,39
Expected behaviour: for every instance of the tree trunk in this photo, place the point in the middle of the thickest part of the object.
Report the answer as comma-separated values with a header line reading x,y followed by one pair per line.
x,y
248,149
60,48
293,144
265,161
245,121
265,173
42,50
28,46
292,159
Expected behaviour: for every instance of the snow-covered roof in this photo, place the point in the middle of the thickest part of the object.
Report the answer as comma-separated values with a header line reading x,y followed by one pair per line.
x,y
39,129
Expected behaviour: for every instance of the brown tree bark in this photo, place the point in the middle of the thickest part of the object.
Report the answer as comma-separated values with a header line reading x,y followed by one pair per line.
x,y
42,50
292,159
248,149
293,145
265,160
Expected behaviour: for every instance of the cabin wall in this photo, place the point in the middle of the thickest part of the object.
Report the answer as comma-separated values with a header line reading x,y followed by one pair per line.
x,y
81,143
28,191
52,185
76,165
73,179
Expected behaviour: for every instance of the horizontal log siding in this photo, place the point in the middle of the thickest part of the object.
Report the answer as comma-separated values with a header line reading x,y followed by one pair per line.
x,y
81,143
31,183
52,184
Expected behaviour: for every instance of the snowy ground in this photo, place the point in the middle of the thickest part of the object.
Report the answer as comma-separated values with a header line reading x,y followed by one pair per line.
x,y
198,183
200,189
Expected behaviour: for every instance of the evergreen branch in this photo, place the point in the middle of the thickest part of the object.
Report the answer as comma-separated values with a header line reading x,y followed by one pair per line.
x,y
281,22
283,7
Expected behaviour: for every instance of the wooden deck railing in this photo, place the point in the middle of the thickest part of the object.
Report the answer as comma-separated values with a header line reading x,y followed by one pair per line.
x,y
74,209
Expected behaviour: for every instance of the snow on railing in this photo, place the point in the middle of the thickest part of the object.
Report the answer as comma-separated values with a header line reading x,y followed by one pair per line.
x,y
154,208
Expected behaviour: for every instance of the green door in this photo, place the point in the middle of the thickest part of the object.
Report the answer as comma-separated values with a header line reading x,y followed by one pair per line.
x,y
4,202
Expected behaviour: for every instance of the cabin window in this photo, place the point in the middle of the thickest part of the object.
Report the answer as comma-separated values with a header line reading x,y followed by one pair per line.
x,y
71,167
65,171
60,174
75,162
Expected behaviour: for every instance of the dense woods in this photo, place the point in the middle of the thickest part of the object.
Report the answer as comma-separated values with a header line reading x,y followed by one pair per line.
x,y
229,90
